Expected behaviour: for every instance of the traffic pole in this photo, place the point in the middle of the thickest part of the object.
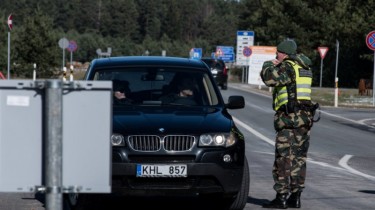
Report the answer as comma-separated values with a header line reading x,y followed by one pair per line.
x,y
64,73
336,78
8,55
53,145
321,69
71,73
34,72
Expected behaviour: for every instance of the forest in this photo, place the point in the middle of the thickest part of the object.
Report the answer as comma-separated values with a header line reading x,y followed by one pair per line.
x,y
132,27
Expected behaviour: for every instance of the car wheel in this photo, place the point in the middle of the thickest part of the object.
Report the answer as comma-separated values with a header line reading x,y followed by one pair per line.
x,y
224,86
240,201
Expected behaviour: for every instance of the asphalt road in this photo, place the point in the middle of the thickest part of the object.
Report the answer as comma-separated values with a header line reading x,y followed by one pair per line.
x,y
341,158
340,168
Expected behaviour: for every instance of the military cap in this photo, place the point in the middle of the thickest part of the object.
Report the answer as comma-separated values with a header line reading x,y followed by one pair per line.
x,y
288,47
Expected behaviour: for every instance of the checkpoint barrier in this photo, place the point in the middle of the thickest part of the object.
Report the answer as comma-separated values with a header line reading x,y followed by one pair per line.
x,y
86,130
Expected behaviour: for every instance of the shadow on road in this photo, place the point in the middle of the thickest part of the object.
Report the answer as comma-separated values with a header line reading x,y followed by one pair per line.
x,y
257,201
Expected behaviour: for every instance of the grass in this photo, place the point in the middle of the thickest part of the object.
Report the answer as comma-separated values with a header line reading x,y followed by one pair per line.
x,y
346,97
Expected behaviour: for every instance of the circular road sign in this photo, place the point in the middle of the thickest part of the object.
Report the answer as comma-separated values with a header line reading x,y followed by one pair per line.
x,y
63,43
370,40
72,46
246,51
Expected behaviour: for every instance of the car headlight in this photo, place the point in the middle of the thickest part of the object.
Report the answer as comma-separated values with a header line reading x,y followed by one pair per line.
x,y
217,139
117,140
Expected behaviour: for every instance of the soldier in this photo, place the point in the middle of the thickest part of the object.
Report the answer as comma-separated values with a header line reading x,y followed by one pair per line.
x,y
291,77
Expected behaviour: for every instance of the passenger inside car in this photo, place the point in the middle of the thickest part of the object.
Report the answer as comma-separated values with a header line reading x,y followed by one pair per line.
x,y
121,91
184,94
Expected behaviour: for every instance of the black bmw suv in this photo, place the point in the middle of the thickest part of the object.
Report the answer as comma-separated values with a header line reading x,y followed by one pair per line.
x,y
171,147
219,70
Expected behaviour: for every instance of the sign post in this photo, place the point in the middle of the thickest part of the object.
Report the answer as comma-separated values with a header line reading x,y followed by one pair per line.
x,y
10,25
72,47
245,39
63,43
247,53
322,51
370,42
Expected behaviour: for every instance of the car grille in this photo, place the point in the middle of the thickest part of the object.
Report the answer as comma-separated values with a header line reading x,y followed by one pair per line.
x,y
171,143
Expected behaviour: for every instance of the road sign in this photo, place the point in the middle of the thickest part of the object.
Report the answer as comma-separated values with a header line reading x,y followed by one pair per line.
x,y
370,40
64,43
72,46
246,51
10,22
322,51
225,53
195,53
244,39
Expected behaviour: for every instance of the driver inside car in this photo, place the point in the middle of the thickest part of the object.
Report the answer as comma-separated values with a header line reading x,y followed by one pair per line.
x,y
184,95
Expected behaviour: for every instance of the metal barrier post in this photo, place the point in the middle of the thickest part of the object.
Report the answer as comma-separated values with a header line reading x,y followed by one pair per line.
x,y
53,145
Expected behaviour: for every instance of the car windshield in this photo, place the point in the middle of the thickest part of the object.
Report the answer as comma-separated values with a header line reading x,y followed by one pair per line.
x,y
151,86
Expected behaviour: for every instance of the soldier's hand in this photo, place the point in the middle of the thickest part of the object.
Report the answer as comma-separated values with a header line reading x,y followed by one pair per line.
x,y
275,62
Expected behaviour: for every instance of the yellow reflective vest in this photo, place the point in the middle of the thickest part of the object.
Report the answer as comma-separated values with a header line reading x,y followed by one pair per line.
x,y
303,86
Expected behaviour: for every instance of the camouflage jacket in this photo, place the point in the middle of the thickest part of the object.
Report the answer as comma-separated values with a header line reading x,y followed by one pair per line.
x,y
282,75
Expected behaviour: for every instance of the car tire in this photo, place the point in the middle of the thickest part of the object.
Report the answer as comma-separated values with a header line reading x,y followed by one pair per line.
x,y
224,86
240,201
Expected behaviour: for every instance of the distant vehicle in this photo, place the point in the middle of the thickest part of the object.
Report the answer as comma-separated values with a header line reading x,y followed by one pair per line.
x,y
173,148
219,70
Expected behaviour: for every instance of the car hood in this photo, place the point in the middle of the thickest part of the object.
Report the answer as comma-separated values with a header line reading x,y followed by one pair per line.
x,y
163,121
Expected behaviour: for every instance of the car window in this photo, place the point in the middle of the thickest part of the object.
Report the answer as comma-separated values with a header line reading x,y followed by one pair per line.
x,y
153,86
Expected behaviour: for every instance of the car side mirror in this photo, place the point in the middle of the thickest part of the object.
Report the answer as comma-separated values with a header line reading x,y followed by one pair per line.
x,y
235,102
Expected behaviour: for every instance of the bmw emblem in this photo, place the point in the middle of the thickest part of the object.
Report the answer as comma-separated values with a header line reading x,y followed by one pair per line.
x,y
161,130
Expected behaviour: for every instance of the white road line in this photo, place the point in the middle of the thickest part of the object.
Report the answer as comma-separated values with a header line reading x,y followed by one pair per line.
x,y
369,119
361,122
342,162
253,131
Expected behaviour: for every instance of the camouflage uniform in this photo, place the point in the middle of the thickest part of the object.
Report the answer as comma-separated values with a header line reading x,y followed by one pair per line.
x,y
292,127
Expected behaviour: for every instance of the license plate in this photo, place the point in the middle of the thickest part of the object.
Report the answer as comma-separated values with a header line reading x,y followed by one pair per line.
x,y
144,170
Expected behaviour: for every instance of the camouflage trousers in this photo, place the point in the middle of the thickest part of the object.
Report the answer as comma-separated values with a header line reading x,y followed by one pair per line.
x,y
289,169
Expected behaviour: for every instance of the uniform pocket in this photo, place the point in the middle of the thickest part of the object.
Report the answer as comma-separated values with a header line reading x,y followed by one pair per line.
x,y
292,120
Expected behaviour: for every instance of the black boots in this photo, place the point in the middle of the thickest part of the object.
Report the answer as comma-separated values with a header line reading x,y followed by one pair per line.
x,y
280,202
294,200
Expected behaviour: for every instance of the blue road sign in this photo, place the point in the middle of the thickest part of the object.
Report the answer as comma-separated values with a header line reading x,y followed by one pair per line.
x,y
196,53
225,53
245,33
247,51
225,49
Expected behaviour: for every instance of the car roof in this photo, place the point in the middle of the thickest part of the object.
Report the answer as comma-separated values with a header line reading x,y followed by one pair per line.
x,y
147,60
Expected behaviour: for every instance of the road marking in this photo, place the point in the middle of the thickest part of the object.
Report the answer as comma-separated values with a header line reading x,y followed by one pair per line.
x,y
361,122
369,119
253,131
343,161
